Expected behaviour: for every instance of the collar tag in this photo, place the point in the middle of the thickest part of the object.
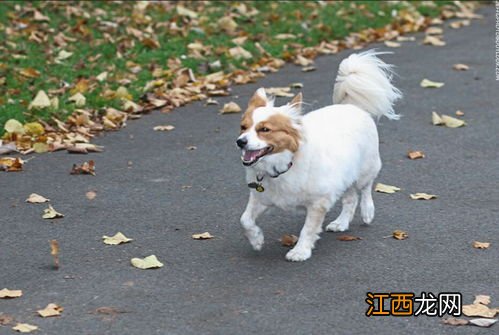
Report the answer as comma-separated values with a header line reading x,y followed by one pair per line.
x,y
257,186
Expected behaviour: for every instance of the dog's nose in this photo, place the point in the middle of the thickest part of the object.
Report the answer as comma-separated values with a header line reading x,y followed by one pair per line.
x,y
241,142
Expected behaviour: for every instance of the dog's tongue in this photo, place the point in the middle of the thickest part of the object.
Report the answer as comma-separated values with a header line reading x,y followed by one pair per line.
x,y
250,155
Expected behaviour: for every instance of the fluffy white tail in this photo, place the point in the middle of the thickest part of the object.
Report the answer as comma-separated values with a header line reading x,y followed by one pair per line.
x,y
364,80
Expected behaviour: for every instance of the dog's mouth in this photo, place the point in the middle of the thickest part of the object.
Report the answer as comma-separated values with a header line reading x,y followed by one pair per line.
x,y
250,157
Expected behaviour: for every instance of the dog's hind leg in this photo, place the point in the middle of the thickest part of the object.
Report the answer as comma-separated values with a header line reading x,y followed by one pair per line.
x,y
349,202
366,203
254,233
309,233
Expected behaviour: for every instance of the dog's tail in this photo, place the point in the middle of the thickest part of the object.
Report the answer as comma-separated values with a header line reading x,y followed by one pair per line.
x,y
364,80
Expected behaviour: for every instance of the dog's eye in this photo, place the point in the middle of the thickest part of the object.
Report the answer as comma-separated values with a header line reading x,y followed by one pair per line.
x,y
264,130
243,128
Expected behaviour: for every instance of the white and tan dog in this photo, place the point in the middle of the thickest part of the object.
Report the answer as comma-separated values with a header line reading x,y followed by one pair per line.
x,y
313,160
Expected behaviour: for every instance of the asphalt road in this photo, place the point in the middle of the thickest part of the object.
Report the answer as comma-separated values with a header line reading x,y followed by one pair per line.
x,y
221,286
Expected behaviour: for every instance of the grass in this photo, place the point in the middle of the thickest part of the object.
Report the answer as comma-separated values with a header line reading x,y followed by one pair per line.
x,y
103,28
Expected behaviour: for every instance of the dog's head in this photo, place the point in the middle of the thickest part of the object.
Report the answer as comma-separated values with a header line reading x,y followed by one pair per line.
x,y
267,131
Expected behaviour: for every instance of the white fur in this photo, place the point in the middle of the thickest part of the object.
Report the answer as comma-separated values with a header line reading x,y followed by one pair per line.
x,y
337,158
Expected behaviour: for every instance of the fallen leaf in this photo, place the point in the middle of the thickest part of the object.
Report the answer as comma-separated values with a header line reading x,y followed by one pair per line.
x,y
85,168
433,40
240,53
400,235
62,55
460,67
102,76
280,91
296,85
386,188
182,11
452,122
51,213
5,319
149,262
284,36
227,24
203,236
50,310
24,328
459,113
392,44
91,195
434,31
422,196
167,127
14,127
308,68
478,310
426,83
436,119
480,245
29,73
6,293
118,238
482,299
54,251
40,147
459,24
288,240
7,148
41,101
11,164
191,147
79,99
303,61
36,199
455,321
485,323
415,154
211,101
348,238
230,107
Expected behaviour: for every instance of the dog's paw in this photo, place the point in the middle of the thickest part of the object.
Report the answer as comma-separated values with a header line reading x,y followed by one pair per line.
x,y
367,213
298,254
255,237
337,225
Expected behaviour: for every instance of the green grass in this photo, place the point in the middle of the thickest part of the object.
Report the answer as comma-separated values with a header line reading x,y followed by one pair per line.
x,y
311,22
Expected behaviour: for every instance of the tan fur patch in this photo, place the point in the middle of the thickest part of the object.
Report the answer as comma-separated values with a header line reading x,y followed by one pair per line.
x,y
282,135
247,119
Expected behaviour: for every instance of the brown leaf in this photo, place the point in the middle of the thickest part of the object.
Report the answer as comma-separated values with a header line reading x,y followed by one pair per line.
x,y
230,107
460,67
85,168
348,238
480,245
11,164
150,43
50,310
455,321
29,72
415,154
433,40
6,293
54,251
482,299
478,310
288,240
399,235
5,319
459,113
203,236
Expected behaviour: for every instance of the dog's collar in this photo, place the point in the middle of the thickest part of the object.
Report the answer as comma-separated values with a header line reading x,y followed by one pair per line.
x,y
258,186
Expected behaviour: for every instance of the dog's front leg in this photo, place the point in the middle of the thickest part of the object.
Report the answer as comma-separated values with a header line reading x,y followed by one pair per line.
x,y
251,230
309,234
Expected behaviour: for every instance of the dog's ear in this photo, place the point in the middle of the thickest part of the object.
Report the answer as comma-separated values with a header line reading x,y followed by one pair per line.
x,y
297,102
259,99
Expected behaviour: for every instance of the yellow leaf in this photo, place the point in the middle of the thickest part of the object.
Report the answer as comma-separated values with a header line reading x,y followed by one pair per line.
x,y
227,24
400,235
122,93
182,11
34,128
460,67
284,36
24,328
300,60
478,310
149,262
230,107
36,199
480,245
50,310
51,213
118,238
422,196
203,236
434,31
386,188
63,55
238,53
436,119
482,299
392,44
279,91
433,40
40,147
30,72
41,101
14,127
167,127
452,122
79,99
426,83
415,154
102,76
6,293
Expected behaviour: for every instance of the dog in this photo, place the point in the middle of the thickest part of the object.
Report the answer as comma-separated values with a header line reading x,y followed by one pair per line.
x,y
294,160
